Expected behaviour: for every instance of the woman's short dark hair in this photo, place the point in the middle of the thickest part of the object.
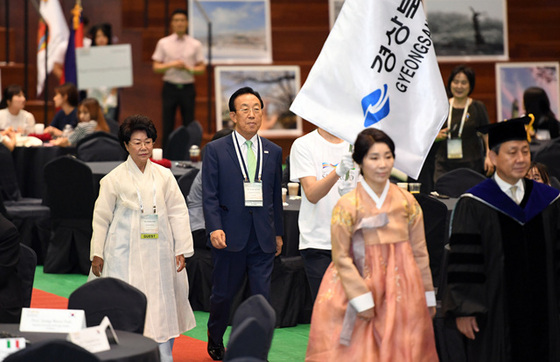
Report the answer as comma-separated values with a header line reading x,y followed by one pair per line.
x,y
9,93
467,71
69,90
105,29
135,123
240,92
367,138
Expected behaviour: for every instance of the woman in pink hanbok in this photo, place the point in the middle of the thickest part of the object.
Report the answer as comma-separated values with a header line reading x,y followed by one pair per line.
x,y
376,300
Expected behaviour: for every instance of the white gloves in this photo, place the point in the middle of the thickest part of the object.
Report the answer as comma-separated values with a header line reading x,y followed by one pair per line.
x,y
345,165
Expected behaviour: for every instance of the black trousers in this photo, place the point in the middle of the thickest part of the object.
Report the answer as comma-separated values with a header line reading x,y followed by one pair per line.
x,y
173,96
228,275
315,262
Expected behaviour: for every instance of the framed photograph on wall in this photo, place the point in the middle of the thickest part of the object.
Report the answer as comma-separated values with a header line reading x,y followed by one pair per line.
x,y
512,79
468,30
334,10
277,85
240,30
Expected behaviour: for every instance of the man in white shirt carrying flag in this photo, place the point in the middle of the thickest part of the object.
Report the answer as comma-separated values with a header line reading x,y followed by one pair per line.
x,y
58,34
378,68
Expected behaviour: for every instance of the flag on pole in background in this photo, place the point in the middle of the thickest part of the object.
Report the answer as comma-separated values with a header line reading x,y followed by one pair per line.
x,y
76,40
58,33
378,68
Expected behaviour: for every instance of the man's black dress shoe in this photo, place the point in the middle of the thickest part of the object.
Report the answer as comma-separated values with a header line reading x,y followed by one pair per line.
x,y
215,350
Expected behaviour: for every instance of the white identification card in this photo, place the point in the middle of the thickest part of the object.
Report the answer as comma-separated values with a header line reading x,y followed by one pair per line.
x,y
94,339
253,194
52,320
455,148
149,226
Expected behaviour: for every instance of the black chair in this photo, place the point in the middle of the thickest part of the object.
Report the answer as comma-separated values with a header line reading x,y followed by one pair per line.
x,y
458,181
28,215
9,186
100,146
194,130
54,350
199,270
113,126
176,148
185,181
70,196
435,220
26,271
289,293
252,330
8,179
124,304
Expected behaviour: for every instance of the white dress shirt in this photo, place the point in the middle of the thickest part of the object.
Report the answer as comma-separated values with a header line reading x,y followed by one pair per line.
x,y
506,188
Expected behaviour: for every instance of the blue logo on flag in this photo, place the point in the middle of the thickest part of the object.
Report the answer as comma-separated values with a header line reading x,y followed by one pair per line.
x,y
376,106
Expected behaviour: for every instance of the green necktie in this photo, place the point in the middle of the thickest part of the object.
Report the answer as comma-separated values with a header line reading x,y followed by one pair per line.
x,y
251,161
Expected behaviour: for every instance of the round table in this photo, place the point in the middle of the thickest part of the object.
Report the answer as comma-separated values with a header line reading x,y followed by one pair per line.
x,y
132,347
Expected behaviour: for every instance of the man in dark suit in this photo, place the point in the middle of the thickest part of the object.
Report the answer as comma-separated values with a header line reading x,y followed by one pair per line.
x,y
11,298
241,187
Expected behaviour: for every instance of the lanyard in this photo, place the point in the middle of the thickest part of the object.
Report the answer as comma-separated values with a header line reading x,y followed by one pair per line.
x,y
138,192
241,160
463,118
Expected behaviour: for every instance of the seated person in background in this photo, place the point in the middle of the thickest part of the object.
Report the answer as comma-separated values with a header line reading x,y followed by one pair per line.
x,y
8,138
66,98
11,297
101,35
91,119
12,113
538,172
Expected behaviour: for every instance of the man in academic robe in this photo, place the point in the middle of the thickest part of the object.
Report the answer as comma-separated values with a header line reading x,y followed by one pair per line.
x,y
503,281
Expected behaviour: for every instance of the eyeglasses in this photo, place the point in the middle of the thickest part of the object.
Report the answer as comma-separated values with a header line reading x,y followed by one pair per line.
x,y
146,143
246,110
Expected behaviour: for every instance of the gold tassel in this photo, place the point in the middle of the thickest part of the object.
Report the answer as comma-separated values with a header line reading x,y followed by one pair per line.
x,y
529,127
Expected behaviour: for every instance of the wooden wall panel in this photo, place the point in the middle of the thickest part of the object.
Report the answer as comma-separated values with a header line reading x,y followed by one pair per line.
x,y
299,29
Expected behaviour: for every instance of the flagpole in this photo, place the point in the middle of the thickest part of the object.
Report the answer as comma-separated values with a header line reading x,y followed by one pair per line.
x,y
45,86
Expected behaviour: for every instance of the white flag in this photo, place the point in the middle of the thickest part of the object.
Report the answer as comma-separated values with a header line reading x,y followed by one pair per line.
x,y
58,34
378,68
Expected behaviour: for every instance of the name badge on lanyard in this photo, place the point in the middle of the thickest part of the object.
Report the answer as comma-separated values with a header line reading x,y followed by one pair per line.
x,y
454,148
253,191
253,194
455,145
149,226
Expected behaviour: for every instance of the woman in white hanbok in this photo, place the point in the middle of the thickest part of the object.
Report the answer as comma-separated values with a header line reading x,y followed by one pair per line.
x,y
141,234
